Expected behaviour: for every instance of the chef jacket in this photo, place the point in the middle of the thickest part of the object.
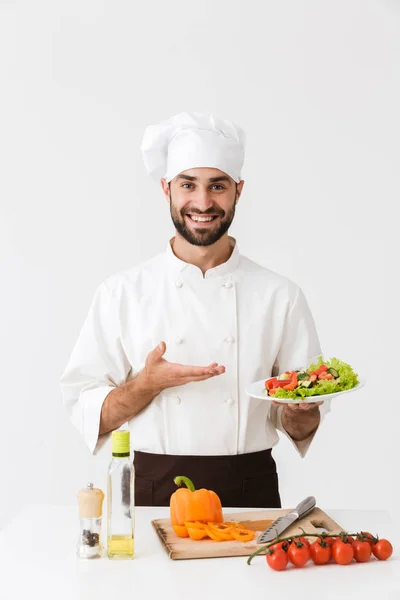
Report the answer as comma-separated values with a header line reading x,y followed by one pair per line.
x,y
239,314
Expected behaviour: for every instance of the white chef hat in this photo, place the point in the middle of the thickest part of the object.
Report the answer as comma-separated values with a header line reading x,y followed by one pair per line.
x,y
190,140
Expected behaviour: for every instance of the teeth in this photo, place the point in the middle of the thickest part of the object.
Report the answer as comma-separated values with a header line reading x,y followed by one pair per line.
x,y
201,219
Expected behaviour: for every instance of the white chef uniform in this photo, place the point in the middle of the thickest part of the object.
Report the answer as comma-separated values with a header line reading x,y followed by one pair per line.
x,y
242,315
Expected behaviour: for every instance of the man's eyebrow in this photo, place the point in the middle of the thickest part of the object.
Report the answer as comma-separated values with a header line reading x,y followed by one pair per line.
x,y
221,178
211,179
187,177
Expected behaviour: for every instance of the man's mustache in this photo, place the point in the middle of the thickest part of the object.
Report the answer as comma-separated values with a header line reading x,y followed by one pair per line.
x,y
204,213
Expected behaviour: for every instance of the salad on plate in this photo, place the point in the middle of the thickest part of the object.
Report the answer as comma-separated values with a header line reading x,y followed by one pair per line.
x,y
323,377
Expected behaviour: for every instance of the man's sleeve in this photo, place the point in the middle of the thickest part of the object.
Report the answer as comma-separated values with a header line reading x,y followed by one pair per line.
x,y
299,348
97,365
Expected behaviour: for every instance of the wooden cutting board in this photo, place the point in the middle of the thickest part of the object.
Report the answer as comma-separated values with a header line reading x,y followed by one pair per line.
x,y
184,548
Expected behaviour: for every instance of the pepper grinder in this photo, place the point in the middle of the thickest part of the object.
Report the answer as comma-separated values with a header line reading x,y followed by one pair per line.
x,y
90,513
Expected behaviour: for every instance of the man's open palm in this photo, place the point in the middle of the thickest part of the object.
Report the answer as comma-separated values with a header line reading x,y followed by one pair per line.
x,y
162,374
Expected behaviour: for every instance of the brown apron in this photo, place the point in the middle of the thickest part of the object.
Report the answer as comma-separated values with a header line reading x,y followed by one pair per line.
x,y
240,480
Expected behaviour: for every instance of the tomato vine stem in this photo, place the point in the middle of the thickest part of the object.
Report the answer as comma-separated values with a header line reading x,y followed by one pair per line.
x,y
342,534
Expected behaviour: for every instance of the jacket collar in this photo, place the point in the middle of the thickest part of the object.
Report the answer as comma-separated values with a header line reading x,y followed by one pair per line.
x,y
179,266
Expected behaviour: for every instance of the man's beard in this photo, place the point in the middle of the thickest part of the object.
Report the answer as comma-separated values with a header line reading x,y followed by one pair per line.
x,y
199,236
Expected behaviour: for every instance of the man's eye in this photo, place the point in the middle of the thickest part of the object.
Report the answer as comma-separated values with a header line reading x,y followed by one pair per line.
x,y
217,185
185,184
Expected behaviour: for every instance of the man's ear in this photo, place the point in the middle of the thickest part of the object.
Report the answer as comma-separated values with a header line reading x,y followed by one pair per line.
x,y
239,188
166,189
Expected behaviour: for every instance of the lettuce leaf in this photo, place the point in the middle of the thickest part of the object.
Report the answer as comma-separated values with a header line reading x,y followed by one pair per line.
x,y
348,379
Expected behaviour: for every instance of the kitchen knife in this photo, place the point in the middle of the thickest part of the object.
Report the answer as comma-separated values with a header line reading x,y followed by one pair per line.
x,y
283,523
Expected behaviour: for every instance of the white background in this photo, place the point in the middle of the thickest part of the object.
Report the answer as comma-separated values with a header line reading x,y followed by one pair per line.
x,y
316,86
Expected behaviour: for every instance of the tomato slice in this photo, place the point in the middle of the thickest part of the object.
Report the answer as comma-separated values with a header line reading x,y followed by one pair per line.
x,y
269,384
277,383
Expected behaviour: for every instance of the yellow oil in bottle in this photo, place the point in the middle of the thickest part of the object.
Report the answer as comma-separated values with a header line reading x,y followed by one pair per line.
x,y
120,498
120,546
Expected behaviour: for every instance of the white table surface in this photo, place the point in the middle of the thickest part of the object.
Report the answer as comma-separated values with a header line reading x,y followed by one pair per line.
x,y
38,560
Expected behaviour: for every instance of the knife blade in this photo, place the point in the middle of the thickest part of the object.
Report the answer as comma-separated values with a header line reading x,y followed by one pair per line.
x,y
282,523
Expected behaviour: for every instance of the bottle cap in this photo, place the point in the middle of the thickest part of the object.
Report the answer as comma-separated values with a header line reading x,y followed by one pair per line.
x,y
121,442
90,502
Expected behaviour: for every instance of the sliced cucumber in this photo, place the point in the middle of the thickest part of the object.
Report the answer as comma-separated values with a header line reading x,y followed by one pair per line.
x,y
306,383
303,375
333,372
283,376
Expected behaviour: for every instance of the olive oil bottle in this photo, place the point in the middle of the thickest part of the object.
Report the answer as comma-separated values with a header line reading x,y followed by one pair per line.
x,y
120,498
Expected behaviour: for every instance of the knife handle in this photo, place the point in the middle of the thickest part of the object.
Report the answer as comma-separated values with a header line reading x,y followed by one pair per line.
x,y
305,506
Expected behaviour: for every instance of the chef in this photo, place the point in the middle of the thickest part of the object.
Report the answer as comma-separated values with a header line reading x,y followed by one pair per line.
x,y
170,345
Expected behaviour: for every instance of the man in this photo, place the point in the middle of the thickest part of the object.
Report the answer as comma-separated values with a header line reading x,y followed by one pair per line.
x,y
170,345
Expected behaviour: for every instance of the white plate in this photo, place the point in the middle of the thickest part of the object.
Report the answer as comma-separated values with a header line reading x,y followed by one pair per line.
x,y
256,390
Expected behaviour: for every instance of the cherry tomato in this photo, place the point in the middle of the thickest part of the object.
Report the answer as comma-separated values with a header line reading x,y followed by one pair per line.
x,y
342,553
298,554
347,539
367,537
303,541
277,559
362,551
382,549
280,546
320,554
329,540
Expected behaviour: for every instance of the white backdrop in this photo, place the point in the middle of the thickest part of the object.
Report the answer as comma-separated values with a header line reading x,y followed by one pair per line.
x,y
316,86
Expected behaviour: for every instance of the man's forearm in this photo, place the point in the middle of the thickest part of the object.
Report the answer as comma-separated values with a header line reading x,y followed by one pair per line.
x,y
301,424
124,402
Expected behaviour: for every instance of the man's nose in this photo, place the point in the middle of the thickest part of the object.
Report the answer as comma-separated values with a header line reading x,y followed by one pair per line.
x,y
203,201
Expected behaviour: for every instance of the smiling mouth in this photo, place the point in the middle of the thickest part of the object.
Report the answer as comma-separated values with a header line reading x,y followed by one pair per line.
x,y
201,219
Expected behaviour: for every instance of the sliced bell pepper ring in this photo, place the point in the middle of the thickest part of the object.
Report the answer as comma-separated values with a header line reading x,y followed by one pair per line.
x,y
218,532
196,530
195,524
242,534
180,530
221,530
214,536
196,533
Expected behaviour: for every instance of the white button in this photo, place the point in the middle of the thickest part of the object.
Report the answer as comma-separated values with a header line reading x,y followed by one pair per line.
x,y
178,400
179,340
229,401
228,284
179,284
229,339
